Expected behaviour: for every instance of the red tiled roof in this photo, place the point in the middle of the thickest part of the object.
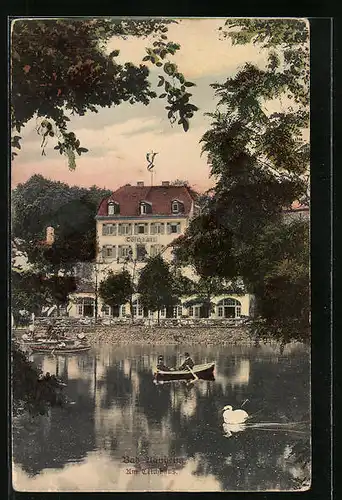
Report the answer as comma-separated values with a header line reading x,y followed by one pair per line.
x,y
160,197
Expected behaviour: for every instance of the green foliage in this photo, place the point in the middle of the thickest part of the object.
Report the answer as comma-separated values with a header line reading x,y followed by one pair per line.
x,y
31,391
60,66
116,289
182,285
260,160
205,237
22,297
286,41
155,285
31,291
39,203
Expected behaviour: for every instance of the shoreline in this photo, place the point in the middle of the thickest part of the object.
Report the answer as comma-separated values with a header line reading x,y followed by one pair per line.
x,y
158,335
124,335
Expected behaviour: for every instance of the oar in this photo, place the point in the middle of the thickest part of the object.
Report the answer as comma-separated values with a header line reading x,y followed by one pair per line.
x,y
194,374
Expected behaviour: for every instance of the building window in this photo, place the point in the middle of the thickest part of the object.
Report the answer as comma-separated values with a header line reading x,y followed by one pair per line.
x,y
113,208
157,228
138,310
141,228
125,251
123,310
106,310
175,207
145,207
177,312
173,227
163,312
191,311
229,308
108,252
108,229
86,307
141,253
125,229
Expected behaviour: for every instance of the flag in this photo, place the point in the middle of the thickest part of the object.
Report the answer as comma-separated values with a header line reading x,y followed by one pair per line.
x,y
150,159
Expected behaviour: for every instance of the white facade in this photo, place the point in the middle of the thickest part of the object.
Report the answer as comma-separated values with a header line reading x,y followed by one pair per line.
x,y
137,238
223,307
126,241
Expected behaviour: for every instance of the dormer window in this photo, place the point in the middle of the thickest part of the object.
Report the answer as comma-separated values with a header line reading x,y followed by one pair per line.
x,y
113,208
177,206
145,207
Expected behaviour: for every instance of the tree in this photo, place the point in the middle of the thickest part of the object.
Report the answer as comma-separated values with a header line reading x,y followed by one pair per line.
x,y
260,160
39,203
206,236
182,285
61,66
155,285
31,391
117,289
248,134
23,283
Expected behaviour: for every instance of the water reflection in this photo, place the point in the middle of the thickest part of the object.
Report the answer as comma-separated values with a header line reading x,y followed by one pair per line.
x,y
119,412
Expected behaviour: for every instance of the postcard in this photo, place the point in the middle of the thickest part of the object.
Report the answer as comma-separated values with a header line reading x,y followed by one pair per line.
x,y
160,284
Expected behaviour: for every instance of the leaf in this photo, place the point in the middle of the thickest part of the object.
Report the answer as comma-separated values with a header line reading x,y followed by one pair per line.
x,y
114,53
185,125
83,150
159,64
162,96
161,81
146,58
189,84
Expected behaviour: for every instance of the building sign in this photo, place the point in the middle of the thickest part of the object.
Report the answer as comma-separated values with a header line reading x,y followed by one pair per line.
x,y
141,239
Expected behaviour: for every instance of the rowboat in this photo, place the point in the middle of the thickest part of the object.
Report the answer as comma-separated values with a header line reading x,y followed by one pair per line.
x,y
204,371
46,342
57,349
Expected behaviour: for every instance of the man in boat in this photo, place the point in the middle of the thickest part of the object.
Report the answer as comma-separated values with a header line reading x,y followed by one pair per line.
x,y
161,365
188,363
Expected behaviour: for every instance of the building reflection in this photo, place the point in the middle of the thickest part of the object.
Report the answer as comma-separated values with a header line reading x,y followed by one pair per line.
x,y
119,412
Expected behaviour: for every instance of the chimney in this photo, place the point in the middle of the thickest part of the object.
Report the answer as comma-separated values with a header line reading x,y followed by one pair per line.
x,y
165,183
50,235
140,183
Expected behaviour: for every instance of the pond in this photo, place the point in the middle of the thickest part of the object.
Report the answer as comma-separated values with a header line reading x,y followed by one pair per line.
x,y
122,432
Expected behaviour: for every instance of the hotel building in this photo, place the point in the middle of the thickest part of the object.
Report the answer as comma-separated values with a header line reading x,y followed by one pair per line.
x,y
133,224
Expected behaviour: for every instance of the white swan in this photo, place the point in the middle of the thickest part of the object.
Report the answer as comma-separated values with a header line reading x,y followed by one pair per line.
x,y
231,416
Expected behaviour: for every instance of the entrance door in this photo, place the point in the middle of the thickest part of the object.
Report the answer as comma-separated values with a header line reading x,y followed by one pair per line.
x,y
229,311
115,311
88,309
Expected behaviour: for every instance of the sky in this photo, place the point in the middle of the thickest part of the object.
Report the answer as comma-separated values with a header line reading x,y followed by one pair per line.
x,y
119,138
